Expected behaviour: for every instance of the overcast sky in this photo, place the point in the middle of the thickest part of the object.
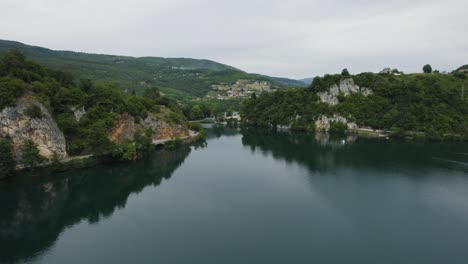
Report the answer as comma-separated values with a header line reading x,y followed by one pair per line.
x,y
292,38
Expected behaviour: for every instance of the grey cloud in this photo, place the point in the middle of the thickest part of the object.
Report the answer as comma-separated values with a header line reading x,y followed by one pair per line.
x,y
295,38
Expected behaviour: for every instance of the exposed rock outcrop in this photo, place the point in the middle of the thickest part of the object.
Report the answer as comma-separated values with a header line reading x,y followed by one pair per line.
x,y
245,84
125,128
163,129
78,112
322,124
17,125
346,87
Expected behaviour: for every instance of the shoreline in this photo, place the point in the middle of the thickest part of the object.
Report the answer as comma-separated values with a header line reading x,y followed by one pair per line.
x,y
91,160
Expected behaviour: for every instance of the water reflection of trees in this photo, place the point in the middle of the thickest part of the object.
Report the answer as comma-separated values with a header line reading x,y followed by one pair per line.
x,y
217,131
34,213
321,152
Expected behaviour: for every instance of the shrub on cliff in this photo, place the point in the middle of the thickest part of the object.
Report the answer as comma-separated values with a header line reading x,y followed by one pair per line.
x,y
30,156
7,163
10,90
143,143
128,151
172,144
337,127
34,111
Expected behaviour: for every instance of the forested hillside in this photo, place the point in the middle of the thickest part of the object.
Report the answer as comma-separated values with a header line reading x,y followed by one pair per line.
x,y
85,112
432,105
176,77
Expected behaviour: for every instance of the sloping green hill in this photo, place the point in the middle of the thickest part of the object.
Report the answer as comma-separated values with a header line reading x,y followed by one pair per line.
x,y
175,76
462,68
284,81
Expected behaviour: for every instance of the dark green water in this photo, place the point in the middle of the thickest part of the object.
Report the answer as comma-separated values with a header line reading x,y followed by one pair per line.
x,y
249,197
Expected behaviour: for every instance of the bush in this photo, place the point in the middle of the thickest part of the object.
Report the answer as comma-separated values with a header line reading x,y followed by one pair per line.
x,y
34,111
10,90
172,144
30,156
338,127
7,163
195,126
143,143
128,151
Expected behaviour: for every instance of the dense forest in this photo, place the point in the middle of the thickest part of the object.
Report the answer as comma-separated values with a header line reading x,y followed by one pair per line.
x,y
59,92
432,104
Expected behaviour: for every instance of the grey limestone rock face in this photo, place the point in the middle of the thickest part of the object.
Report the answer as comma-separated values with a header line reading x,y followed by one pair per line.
x,y
78,112
346,87
44,132
322,124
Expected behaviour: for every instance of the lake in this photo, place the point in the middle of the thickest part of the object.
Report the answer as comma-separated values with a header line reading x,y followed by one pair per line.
x,y
250,196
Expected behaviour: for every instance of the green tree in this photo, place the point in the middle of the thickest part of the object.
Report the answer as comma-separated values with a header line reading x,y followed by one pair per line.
x,y
10,90
152,93
427,68
337,127
30,154
143,143
86,85
128,151
229,112
7,163
345,72
196,112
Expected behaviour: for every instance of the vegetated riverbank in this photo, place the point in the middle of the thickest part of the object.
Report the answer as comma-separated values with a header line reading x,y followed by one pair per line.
x,y
430,106
87,161
50,120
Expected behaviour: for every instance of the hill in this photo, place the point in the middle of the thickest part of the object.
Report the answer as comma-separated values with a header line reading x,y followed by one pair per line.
x,y
307,81
463,68
176,77
285,81
414,105
46,116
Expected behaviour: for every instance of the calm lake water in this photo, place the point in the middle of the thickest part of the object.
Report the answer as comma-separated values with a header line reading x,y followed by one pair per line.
x,y
251,196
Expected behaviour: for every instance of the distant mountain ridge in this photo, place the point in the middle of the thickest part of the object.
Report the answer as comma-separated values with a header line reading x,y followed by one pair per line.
x,y
181,63
183,77
285,81
307,80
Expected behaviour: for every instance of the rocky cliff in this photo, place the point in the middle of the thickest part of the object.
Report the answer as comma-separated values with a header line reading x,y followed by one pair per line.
x,y
163,129
125,127
346,88
18,125
323,123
